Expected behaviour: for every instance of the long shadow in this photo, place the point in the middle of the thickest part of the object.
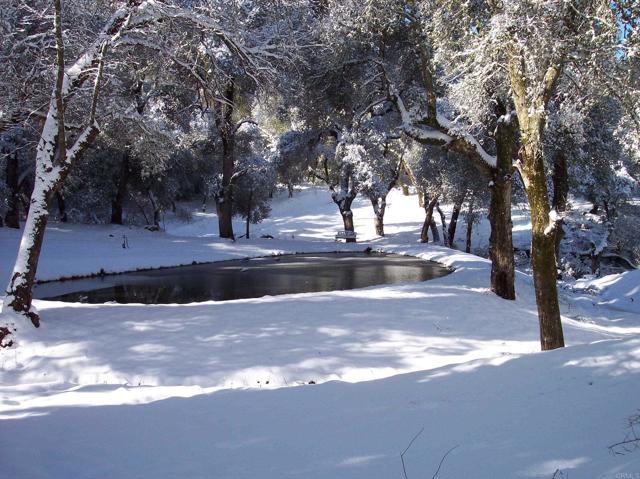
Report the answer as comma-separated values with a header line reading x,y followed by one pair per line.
x,y
526,417
283,340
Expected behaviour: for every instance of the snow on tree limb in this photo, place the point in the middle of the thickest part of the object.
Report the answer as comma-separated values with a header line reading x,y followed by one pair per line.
x,y
446,135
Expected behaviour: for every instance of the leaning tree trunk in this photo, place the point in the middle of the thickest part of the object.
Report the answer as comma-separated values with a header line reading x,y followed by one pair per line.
x,y
434,231
453,223
501,238
46,184
12,218
19,292
428,208
443,220
543,257
54,161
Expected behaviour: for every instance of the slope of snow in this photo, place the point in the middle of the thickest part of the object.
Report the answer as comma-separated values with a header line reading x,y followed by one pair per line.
x,y
511,417
331,384
616,291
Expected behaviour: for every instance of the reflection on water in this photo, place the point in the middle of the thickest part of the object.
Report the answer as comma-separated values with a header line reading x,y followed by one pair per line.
x,y
252,278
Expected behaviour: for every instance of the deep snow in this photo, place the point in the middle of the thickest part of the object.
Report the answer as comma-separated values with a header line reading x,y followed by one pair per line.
x,y
222,389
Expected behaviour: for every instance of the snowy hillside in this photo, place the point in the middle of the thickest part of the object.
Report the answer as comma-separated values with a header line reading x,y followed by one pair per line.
x,y
317,385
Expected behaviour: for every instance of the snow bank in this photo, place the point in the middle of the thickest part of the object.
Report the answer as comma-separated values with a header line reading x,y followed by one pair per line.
x,y
617,291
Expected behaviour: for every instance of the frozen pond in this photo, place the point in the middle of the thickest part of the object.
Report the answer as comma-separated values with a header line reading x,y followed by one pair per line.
x,y
246,278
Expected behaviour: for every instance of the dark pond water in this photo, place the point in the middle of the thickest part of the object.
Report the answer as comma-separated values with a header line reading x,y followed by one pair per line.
x,y
248,278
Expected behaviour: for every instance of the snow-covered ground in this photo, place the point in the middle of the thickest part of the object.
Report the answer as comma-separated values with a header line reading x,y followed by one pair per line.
x,y
326,385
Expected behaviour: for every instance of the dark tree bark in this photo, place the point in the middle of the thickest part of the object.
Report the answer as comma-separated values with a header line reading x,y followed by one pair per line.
x,y
501,238
379,203
117,204
155,206
543,257
453,224
224,201
347,220
344,206
62,209
470,218
249,206
560,182
428,208
560,194
443,220
434,231
12,217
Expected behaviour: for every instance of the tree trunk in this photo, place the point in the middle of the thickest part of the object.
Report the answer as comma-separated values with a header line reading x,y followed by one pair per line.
x,y
424,233
156,209
344,206
225,217
560,195
117,204
347,220
19,291
62,209
434,231
12,217
378,221
501,238
379,207
249,214
531,100
224,204
560,182
409,172
53,164
453,224
443,220
470,218
543,258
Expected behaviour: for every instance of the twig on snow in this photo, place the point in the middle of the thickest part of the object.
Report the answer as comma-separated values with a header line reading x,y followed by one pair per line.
x,y
442,460
404,470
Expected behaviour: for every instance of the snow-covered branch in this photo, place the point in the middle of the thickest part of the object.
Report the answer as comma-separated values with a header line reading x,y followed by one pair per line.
x,y
445,135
